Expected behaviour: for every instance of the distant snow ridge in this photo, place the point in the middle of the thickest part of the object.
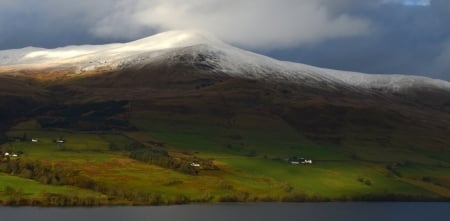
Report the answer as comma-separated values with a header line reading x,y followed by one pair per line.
x,y
15,56
394,82
208,51
166,40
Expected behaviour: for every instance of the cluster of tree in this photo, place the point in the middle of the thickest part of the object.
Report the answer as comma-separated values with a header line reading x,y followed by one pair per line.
x,y
239,196
160,157
16,197
392,197
135,197
46,174
56,199
365,181
205,164
163,159
371,197
55,175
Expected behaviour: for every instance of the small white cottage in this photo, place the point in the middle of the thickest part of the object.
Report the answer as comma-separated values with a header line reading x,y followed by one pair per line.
x,y
195,164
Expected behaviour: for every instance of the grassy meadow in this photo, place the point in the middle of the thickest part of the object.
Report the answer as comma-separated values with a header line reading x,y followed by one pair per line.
x,y
250,157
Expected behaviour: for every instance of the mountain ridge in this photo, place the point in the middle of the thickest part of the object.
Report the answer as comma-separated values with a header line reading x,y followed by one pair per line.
x,y
203,49
197,99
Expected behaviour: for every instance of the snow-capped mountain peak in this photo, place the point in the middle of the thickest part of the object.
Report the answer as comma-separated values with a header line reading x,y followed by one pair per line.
x,y
167,40
202,49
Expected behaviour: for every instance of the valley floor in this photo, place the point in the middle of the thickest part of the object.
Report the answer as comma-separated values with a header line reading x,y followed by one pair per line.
x,y
98,168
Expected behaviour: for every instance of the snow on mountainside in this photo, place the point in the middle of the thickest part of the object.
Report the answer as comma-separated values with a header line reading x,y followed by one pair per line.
x,y
200,48
167,40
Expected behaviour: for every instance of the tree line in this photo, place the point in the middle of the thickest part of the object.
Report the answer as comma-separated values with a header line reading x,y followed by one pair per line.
x,y
55,175
162,158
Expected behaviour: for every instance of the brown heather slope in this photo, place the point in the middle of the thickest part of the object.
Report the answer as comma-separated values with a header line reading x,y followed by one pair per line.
x,y
413,118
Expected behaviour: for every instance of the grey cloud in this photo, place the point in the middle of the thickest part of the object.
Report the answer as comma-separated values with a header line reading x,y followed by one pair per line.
x,y
442,9
248,23
47,23
442,61
265,23
408,40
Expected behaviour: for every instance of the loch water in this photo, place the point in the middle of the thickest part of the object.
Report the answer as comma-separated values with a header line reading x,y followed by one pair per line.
x,y
240,211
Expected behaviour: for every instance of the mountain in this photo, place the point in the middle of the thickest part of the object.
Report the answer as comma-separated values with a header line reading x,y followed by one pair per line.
x,y
203,50
183,117
192,73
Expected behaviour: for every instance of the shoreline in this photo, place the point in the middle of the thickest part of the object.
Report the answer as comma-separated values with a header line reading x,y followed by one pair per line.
x,y
368,199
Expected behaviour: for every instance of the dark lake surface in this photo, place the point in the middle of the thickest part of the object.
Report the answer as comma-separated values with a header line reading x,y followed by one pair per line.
x,y
253,211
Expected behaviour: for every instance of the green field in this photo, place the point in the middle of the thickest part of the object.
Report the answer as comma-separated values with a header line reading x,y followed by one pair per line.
x,y
251,166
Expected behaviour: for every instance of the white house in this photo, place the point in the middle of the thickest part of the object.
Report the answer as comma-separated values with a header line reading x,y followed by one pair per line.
x,y
307,162
299,160
34,140
194,164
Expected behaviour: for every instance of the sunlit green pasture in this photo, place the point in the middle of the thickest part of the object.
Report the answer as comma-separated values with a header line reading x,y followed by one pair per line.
x,y
252,164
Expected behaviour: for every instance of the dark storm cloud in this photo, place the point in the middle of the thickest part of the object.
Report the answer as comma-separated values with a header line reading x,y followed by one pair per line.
x,y
49,23
407,40
379,36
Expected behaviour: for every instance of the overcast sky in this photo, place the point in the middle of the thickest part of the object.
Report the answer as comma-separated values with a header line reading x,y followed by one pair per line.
x,y
374,36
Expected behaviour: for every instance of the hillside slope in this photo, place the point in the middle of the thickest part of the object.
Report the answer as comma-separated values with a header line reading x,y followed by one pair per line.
x,y
193,72
135,116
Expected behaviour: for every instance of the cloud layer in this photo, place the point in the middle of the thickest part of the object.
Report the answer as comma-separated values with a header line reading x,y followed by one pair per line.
x,y
255,24
249,23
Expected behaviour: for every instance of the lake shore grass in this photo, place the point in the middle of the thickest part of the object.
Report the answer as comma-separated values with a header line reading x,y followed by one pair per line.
x,y
95,169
